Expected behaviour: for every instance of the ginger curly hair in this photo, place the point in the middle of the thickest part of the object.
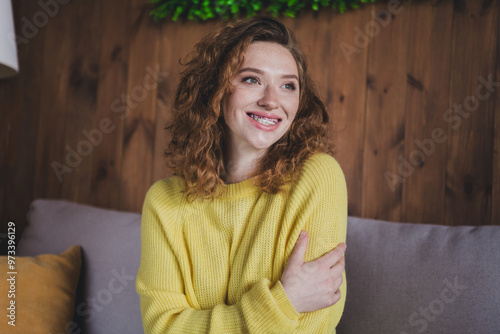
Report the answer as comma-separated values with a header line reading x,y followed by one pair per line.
x,y
195,152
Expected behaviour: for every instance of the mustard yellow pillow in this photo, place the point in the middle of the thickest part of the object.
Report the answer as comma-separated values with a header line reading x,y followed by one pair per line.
x,y
40,296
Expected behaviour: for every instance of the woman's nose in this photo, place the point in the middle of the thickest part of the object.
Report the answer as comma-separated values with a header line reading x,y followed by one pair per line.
x,y
269,99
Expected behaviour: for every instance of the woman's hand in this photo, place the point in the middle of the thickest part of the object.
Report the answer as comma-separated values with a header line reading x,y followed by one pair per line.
x,y
314,285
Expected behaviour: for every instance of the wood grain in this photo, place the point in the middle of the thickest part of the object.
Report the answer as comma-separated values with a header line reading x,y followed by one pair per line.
x,y
139,129
19,105
177,40
51,140
83,60
385,114
346,100
470,146
495,196
113,74
91,62
427,82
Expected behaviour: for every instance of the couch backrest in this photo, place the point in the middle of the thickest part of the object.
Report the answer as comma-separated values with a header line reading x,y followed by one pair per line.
x,y
401,278
417,278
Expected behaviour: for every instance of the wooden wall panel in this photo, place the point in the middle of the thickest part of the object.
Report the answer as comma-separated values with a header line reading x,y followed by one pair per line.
x,y
326,45
470,132
427,95
19,106
111,106
81,96
346,100
9,127
382,95
315,41
177,39
495,197
385,113
52,112
138,139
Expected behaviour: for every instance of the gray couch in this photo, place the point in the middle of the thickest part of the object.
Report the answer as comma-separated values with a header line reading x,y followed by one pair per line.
x,y
401,278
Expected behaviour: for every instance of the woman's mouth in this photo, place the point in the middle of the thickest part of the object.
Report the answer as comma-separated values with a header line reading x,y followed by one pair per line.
x,y
264,120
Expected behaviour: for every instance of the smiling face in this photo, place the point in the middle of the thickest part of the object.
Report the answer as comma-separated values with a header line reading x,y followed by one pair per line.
x,y
264,98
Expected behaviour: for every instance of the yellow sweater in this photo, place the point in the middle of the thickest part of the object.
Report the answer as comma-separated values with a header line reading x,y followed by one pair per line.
x,y
215,267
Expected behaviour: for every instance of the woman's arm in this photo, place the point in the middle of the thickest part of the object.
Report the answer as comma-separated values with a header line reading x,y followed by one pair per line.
x,y
323,214
314,285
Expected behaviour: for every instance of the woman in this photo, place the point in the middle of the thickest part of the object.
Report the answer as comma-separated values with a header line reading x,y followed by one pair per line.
x,y
221,251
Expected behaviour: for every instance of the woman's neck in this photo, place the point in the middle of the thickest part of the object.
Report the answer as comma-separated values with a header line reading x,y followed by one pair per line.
x,y
240,163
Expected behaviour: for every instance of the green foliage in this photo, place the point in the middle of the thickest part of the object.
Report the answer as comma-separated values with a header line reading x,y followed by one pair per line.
x,y
228,9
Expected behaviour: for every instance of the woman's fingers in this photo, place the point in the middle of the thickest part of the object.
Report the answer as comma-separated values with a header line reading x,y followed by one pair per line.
x,y
338,282
297,256
336,296
333,256
338,268
313,285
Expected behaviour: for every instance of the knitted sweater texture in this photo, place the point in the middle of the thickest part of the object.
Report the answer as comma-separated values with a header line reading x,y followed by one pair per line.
x,y
215,267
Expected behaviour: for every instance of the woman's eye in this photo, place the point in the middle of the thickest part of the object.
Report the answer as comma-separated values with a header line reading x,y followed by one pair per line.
x,y
251,80
289,86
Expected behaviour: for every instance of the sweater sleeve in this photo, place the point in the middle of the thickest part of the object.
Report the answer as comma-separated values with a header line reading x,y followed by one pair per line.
x,y
324,216
166,307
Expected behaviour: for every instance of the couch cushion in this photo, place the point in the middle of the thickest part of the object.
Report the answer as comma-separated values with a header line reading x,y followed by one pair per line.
x,y
107,301
40,292
414,278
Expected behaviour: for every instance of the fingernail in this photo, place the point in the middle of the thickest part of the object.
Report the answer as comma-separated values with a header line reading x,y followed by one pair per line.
x,y
302,234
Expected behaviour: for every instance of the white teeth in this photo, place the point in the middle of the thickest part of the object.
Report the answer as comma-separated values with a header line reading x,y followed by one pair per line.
x,y
264,120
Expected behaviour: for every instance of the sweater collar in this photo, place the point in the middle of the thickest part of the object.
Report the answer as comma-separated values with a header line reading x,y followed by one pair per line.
x,y
240,189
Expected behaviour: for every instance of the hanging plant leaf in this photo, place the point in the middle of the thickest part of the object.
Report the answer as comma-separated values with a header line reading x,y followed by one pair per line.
x,y
227,9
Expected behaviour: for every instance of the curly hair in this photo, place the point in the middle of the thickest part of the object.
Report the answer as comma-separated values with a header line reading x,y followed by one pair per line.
x,y
195,152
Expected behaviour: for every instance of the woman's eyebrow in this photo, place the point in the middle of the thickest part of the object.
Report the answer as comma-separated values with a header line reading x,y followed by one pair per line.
x,y
290,76
256,70
251,69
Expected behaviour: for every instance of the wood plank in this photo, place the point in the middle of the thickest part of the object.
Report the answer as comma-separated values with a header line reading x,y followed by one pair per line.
x,y
25,109
470,132
495,197
9,143
165,97
326,37
138,138
83,57
55,75
106,162
346,100
427,99
385,114
9,150
312,30
177,40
